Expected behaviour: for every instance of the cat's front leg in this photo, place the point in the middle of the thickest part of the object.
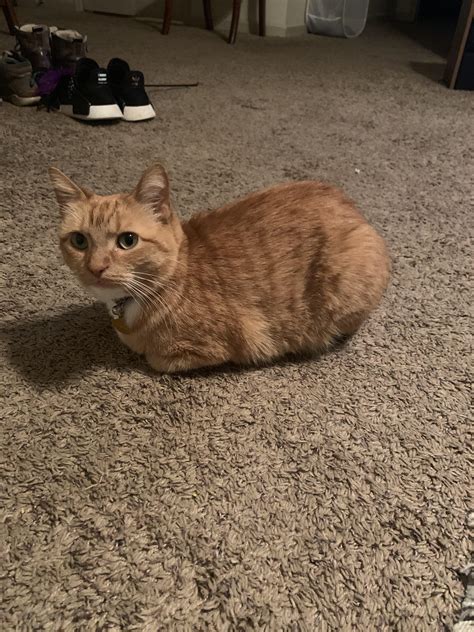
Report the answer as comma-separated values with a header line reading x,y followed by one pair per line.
x,y
133,342
181,363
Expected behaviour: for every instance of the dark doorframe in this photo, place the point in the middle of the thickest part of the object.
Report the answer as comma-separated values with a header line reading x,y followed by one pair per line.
x,y
463,27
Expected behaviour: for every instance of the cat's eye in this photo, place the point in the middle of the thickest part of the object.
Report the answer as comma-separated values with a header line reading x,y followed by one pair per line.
x,y
79,241
127,240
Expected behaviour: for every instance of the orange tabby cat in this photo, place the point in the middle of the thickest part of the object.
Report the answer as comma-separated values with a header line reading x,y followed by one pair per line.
x,y
288,269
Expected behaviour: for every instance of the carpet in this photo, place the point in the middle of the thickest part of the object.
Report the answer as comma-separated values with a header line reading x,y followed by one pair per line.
x,y
326,494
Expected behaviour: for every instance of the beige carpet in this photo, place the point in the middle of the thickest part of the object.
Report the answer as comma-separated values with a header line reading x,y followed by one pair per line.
x,y
322,495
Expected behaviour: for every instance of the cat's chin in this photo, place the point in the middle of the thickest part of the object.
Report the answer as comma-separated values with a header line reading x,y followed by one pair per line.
x,y
107,294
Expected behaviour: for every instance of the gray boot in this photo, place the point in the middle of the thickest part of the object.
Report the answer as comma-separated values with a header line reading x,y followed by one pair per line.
x,y
34,43
16,82
67,48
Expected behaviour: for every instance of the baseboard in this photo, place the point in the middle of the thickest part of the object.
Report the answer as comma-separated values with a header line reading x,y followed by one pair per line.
x,y
295,31
270,31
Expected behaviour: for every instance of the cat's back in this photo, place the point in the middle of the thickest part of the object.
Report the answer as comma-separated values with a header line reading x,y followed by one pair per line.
x,y
306,205
296,262
283,232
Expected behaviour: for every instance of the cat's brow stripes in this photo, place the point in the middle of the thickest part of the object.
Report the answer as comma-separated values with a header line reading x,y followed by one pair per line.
x,y
103,213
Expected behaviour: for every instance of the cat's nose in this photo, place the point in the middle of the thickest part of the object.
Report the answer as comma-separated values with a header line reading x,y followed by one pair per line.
x,y
98,271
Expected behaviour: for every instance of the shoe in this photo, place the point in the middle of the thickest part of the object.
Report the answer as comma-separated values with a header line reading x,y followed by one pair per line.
x,y
34,44
67,47
16,81
128,88
85,95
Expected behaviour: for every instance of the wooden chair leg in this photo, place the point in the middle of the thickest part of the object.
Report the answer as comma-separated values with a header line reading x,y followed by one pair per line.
x,y
261,17
234,25
10,15
208,15
165,29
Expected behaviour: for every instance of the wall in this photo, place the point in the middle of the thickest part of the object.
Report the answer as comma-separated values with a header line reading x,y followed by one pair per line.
x,y
379,8
284,17
276,15
295,12
191,12
47,3
60,4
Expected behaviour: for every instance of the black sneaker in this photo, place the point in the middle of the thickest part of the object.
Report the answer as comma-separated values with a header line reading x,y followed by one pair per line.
x,y
128,88
86,95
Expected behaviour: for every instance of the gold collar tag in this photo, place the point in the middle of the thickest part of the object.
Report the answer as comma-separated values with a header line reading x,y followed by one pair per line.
x,y
118,315
120,325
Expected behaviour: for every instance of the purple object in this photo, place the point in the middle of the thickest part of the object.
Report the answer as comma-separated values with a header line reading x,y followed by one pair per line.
x,y
48,80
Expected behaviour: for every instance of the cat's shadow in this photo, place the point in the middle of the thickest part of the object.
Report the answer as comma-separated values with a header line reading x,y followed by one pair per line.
x,y
58,349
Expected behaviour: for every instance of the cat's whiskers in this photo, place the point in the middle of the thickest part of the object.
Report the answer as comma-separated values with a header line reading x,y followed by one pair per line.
x,y
136,297
149,283
152,293
158,298
176,263
151,277
125,283
153,300
169,285
137,291
142,298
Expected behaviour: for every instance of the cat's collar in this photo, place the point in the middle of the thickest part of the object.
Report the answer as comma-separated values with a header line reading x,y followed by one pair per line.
x,y
117,313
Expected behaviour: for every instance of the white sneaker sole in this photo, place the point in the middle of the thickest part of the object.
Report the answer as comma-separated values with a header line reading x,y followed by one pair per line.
x,y
138,113
96,112
16,100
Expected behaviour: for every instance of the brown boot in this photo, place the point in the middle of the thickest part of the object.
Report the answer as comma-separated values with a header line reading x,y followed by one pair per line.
x,y
67,48
16,82
34,43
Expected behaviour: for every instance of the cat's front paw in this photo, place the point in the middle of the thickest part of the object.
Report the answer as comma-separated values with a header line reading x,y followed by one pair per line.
x,y
168,364
179,363
133,342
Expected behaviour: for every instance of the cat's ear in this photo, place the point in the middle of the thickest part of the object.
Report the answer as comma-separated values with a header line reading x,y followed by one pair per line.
x,y
153,191
67,192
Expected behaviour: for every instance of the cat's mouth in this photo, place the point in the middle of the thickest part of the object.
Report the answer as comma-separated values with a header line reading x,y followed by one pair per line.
x,y
102,283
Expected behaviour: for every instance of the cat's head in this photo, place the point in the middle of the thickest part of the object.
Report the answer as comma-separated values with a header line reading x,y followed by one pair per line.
x,y
118,243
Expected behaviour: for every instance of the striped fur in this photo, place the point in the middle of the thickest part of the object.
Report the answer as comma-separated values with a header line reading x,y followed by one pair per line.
x,y
284,270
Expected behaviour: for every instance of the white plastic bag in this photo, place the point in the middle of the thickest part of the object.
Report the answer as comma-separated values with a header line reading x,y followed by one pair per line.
x,y
339,18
